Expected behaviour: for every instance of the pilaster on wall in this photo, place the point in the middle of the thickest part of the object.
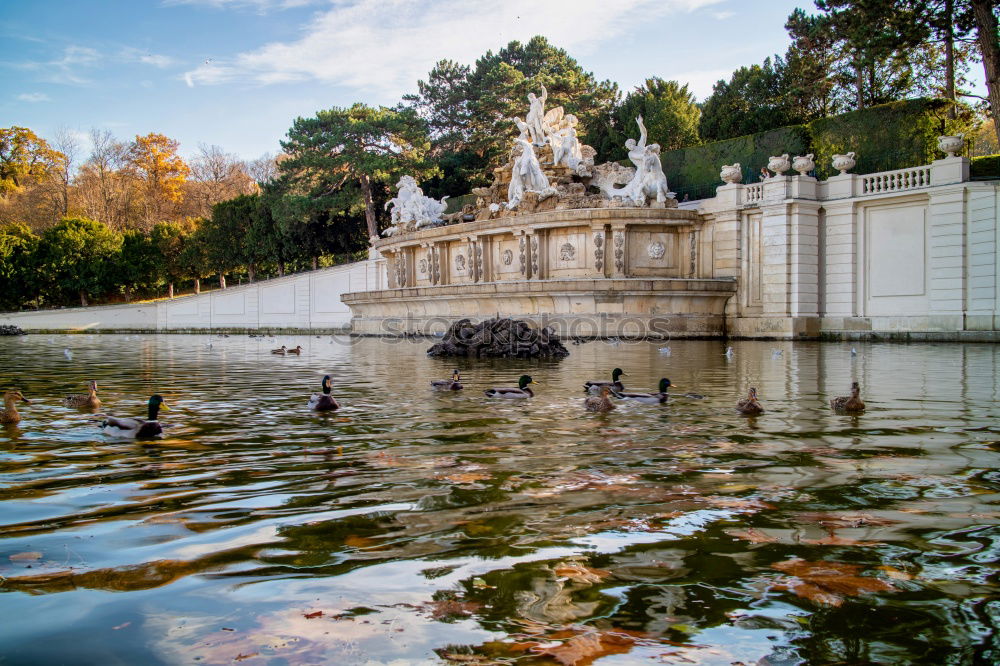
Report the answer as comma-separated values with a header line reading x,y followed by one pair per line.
x,y
946,256
840,260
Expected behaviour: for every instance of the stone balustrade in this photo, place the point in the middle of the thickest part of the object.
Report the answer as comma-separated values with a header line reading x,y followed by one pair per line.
x,y
896,181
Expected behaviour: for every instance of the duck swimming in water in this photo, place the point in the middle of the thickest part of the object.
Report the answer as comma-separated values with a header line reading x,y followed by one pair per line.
x,y
137,428
615,383
658,398
453,384
9,413
851,403
324,402
522,390
601,403
749,405
280,350
87,400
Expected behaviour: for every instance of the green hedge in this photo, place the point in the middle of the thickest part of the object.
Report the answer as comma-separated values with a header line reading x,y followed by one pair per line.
x,y
986,167
688,168
885,137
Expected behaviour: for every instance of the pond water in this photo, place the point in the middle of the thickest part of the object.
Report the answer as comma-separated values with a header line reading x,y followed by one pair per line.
x,y
412,527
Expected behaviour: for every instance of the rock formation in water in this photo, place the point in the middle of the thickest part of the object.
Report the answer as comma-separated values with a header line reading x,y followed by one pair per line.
x,y
512,338
10,329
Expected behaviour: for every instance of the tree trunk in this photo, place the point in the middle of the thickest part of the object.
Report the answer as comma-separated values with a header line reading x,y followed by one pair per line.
x,y
83,298
315,264
128,295
281,269
197,285
222,281
949,55
859,73
251,272
366,189
170,290
989,48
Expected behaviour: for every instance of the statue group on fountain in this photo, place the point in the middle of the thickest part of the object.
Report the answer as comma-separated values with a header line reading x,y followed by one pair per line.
x,y
566,177
411,210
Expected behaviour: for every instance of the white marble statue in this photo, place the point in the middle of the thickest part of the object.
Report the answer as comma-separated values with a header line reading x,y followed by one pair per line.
x,y
649,181
522,127
411,210
536,117
637,151
526,176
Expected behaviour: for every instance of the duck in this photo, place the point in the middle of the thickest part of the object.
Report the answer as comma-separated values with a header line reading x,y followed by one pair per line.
x,y
88,399
137,428
280,350
749,405
297,350
522,390
9,413
851,403
453,384
615,383
658,398
601,403
324,402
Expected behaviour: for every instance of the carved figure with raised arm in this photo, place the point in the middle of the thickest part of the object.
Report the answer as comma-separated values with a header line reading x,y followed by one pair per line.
x,y
536,117
637,151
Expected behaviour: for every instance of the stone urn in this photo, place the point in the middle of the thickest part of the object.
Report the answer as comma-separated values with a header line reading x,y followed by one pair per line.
x,y
804,164
731,173
950,145
844,163
779,165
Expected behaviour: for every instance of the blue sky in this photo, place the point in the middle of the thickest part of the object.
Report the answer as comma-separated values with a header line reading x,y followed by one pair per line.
x,y
235,73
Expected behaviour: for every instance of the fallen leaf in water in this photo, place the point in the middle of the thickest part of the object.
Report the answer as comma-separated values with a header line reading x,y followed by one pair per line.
x,y
581,574
444,609
752,535
121,626
585,648
893,572
739,504
30,556
313,615
241,656
827,582
832,539
467,477
356,541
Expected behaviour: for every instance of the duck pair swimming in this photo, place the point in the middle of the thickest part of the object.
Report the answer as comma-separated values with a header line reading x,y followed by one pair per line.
x,y
846,403
282,350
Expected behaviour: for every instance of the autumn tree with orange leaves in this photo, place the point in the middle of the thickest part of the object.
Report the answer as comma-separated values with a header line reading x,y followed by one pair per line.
x,y
154,162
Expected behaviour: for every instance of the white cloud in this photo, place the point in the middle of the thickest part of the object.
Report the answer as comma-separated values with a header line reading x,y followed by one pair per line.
x,y
723,15
130,54
33,97
384,46
66,69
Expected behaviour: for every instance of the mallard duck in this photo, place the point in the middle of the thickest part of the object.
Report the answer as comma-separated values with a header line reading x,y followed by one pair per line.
x,y
9,413
650,398
851,403
453,384
280,350
324,402
522,390
88,399
615,383
601,403
137,428
297,350
749,405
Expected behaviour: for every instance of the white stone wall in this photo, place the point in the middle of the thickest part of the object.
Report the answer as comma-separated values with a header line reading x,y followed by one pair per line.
x,y
914,250
304,301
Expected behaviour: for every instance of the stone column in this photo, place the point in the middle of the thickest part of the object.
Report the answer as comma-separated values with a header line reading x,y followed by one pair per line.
x,y
475,264
803,257
619,250
523,253
535,247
